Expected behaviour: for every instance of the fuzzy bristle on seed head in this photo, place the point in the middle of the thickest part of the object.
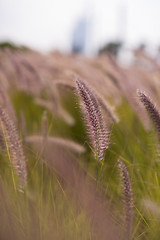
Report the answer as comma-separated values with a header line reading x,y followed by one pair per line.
x,y
152,110
99,136
127,199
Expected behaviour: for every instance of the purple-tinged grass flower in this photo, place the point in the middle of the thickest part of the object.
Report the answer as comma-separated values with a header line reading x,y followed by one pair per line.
x,y
127,199
98,134
13,145
151,109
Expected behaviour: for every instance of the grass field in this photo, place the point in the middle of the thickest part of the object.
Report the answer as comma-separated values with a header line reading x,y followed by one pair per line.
x,y
79,148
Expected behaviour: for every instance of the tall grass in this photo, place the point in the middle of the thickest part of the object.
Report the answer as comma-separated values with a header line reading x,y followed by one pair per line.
x,y
61,125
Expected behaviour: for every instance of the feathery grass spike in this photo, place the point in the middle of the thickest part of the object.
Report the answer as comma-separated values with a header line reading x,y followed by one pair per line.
x,y
99,136
127,199
57,141
151,109
104,104
13,145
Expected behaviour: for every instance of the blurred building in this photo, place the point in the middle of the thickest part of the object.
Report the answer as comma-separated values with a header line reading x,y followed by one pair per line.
x,y
79,36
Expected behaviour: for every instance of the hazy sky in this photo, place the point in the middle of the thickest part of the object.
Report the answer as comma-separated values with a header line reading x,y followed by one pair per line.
x,y
48,24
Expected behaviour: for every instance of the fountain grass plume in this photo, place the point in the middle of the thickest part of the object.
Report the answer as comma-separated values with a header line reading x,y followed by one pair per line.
x,y
104,104
64,84
127,200
57,141
98,133
151,109
13,145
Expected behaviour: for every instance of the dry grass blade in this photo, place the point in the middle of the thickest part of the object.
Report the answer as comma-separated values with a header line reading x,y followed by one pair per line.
x,y
13,145
127,198
98,134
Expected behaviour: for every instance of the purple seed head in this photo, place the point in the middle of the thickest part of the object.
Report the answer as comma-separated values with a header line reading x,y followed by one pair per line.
x,y
98,134
152,110
127,199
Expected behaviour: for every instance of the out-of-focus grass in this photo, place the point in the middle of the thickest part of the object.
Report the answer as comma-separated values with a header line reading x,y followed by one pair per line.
x,y
45,210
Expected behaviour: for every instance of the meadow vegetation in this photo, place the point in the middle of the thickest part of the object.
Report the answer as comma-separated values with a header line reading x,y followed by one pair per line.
x,y
79,146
